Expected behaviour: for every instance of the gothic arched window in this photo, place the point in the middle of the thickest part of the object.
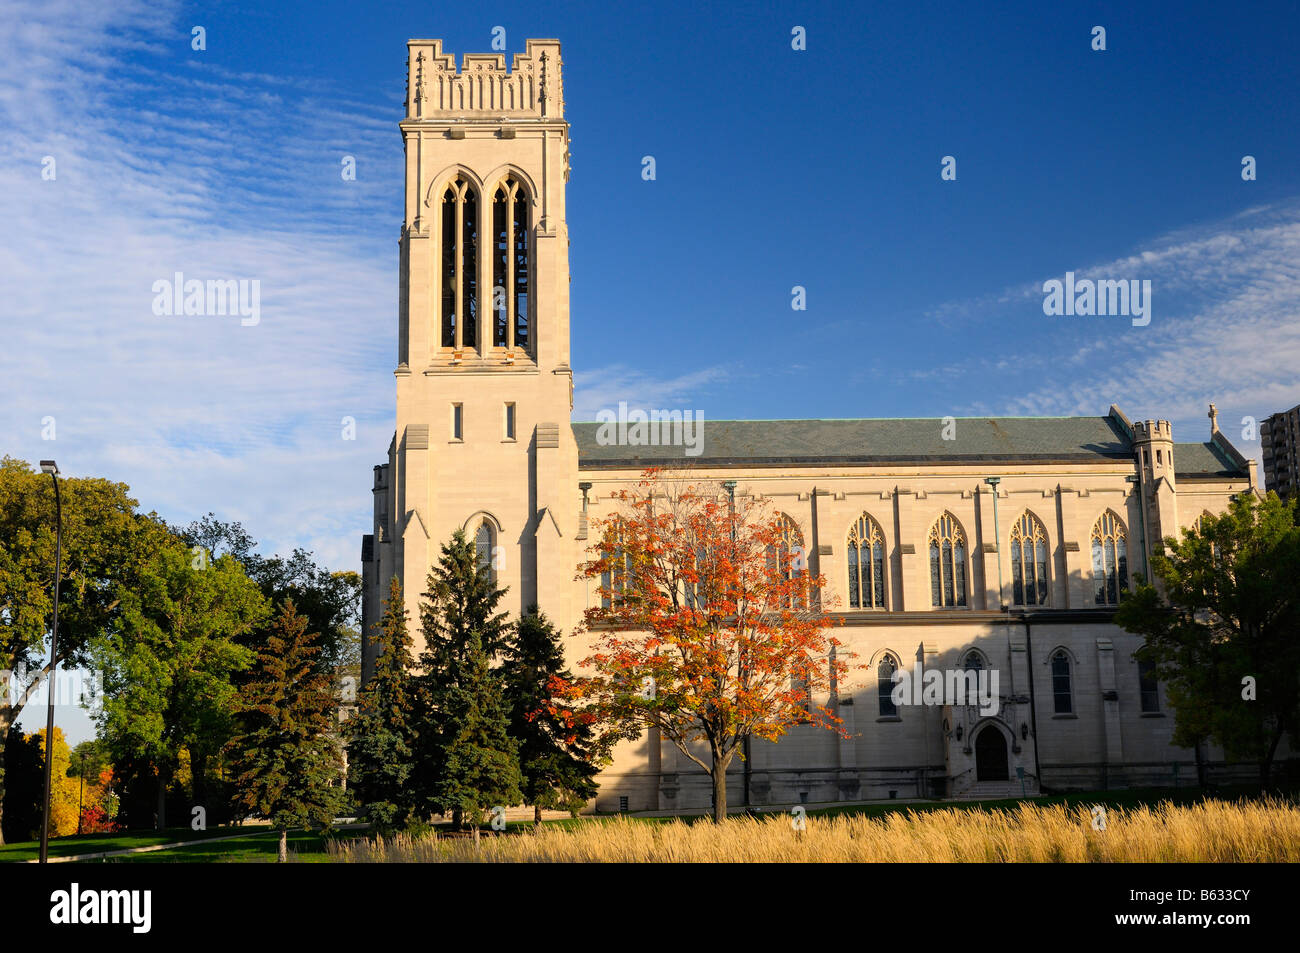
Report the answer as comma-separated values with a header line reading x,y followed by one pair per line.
x,y
788,557
1062,695
511,274
866,564
947,562
459,265
885,685
616,577
1148,687
484,546
1109,559
1028,562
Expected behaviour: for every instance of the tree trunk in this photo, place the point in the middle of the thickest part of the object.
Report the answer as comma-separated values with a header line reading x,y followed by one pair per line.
x,y
199,772
6,721
1266,766
719,792
457,818
162,800
283,855
537,812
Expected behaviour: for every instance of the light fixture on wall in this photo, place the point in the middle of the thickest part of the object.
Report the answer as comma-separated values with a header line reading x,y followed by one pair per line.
x,y
1024,731
959,732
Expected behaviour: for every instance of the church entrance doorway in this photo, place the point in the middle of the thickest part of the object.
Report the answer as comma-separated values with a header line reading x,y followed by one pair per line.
x,y
990,755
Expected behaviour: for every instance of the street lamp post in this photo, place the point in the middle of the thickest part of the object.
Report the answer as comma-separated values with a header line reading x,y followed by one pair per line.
x,y
52,468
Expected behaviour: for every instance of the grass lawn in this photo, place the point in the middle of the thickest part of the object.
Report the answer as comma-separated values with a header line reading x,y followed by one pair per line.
x,y
261,843
94,843
258,848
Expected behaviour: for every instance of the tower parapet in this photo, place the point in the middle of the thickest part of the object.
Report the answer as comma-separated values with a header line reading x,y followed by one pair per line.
x,y
483,88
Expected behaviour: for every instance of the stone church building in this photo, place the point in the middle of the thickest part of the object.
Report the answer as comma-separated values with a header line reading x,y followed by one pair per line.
x,y
976,543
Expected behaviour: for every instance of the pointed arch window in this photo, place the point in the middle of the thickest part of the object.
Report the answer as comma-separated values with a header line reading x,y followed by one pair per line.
x,y
1062,693
866,548
459,267
885,685
1109,559
511,266
1148,687
974,662
1028,562
947,563
484,547
616,578
787,556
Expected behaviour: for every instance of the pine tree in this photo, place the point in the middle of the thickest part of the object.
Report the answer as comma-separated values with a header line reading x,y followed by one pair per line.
x,y
287,762
461,603
464,758
556,744
479,761
380,749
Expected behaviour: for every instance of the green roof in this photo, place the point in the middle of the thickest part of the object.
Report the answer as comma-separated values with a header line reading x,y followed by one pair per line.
x,y
887,441
1204,459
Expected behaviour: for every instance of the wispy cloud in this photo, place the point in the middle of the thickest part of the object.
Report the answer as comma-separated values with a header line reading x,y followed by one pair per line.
x,y
165,164
603,389
1226,328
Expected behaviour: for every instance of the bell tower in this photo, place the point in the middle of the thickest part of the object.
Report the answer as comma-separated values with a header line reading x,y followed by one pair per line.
x,y
484,388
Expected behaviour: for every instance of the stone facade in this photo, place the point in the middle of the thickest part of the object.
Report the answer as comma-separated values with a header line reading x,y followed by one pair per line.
x,y
484,443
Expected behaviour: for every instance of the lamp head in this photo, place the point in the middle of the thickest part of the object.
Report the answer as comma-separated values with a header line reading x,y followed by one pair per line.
x,y
49,466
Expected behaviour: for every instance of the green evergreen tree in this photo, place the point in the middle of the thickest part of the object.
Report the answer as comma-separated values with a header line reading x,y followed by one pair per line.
x,y
287,762
556,744
461,605
464,758
479,761
380,734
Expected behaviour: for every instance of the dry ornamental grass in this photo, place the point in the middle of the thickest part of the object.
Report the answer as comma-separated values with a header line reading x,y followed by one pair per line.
x,y
1211,832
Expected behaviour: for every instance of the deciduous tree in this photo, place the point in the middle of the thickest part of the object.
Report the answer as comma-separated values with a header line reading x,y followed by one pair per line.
x,y
1225,632
710,628
171,653
98,521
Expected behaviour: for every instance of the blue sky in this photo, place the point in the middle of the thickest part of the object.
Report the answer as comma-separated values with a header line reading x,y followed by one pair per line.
x,y
775,168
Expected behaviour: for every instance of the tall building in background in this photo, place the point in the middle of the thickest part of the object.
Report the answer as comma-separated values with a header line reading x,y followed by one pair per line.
x,y
1280,436
899,515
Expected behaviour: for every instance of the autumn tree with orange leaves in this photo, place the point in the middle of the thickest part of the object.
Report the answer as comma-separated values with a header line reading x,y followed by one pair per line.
x,y
709,628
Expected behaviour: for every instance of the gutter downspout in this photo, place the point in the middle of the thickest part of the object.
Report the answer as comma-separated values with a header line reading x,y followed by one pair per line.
x,y
1033,705
1142,528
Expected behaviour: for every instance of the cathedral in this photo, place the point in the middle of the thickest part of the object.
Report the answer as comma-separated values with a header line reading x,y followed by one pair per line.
x,y
980,545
